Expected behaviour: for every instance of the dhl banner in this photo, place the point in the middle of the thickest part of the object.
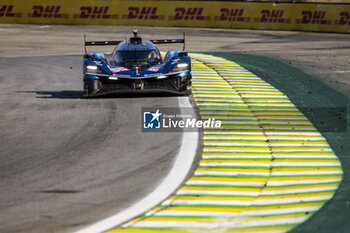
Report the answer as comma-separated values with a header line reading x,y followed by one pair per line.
x,y
276,16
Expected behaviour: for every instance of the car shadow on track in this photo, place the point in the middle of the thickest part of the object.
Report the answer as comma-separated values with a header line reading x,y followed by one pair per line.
x,y
57,94
73,94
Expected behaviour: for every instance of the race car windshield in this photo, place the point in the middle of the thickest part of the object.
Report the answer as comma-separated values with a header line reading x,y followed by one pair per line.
x,y
149,56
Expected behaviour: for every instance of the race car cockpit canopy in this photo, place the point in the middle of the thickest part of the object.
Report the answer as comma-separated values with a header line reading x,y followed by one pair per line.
x,y
128,58
136,52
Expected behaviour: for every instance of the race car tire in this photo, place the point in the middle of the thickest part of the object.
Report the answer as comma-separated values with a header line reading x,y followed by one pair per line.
x,y
187,92
91,87
187,85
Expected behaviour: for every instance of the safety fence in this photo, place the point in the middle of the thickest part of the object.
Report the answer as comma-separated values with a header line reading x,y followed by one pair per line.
x,y
219,14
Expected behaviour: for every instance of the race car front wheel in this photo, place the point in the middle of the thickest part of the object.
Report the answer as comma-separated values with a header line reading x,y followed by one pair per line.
x,y
186,87
91,87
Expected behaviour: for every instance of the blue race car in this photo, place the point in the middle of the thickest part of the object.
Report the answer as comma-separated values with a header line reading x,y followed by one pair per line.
x,y
137,66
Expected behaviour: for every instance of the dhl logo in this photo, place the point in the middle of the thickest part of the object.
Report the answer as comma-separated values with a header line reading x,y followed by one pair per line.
x,y
96,12
47,12
313,17
143,13
227,14
344,19
7,11
272,16
190,13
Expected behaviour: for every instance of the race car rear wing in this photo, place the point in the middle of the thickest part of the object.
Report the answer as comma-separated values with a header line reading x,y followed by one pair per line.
x,y
102,43
181,41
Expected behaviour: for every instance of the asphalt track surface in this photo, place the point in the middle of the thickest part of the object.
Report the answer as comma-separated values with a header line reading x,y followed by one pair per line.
x,y
60,151
67,162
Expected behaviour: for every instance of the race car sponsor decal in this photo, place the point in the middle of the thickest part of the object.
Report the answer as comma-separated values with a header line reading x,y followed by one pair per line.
x,y
154,68
117,69
152,75
123,76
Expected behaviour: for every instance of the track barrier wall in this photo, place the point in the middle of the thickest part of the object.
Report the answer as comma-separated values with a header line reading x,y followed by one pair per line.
x,y
247,15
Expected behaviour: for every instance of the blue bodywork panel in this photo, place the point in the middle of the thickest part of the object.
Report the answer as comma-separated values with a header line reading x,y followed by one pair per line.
x,y
166,67
136,65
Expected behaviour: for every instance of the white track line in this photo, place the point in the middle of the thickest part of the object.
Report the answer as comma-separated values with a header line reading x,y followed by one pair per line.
x,y
174,179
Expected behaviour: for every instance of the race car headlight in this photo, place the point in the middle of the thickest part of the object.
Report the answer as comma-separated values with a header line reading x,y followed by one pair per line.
x,y
180,67
91,68
94,69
